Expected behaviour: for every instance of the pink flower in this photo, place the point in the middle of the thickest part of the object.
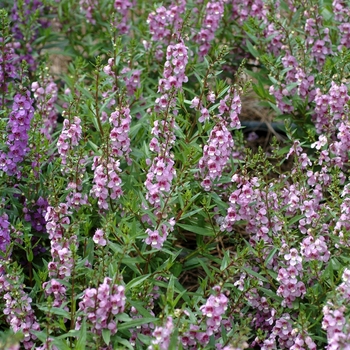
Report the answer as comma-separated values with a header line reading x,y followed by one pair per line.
x,y
99,238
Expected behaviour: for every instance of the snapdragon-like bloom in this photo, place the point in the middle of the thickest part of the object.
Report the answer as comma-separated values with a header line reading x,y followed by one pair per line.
x,y
166,21
119,135
315,249
131,79
219,148
4,232
215,154
122,8
18,127
17,309
100,305
242,10
45,94
62,259
290,288
213,312
70,137
283,332
334,315
214,309
213,14
173,75
8,66
88,7
162,335
99,238
21,15
330,107
340,10
107,183
161,171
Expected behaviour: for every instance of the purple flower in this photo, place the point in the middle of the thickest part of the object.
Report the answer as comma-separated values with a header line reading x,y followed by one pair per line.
x,y
99,238
18,127
4,232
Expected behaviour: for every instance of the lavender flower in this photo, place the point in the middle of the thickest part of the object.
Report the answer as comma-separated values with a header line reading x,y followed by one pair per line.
x,y
100,306
17,138
4,232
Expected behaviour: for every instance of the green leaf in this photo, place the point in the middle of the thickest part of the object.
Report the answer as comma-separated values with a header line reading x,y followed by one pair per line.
x,y
271,294
252,49
139,307
61,344
255,274
206,269
94,147
125,342
106,335
170,290
176,269
271,255
199,230
55,310
225,260
191,213
173,345
81,343
136,281
136,322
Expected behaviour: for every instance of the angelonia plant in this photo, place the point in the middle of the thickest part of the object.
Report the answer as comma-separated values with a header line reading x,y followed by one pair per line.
x,y
134,213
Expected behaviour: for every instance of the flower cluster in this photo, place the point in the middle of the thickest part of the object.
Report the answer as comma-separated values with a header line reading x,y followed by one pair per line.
x,y
17,309
296,82
320,47
165,22
119,135
276,38
314,249
216,154
340,10
283,332
23,29
213,311
240,200
161,171
45,95
100,306
100,238
36,214
4,232
162,335
242,10
330,107
173,75
88,7
18,127
343,224
107,183
62,258
157,237
334,317
290,288
213,14
70,136
131,79
122,7
8,66
75,198
220,144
